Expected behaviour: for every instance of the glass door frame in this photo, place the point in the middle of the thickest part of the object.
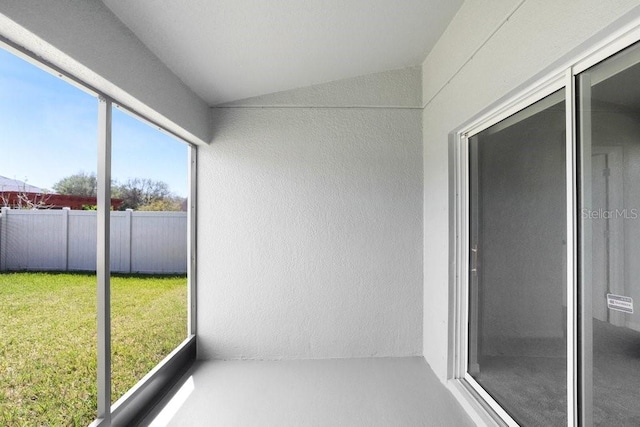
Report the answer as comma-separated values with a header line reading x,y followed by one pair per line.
x,y
579,364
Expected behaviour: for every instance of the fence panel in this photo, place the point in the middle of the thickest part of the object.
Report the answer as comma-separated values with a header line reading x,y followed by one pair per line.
x,y
64,240
120,242
82,241
43,247
159,242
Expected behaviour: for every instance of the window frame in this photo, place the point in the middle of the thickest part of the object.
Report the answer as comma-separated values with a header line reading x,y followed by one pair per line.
x,y
138,400
561,75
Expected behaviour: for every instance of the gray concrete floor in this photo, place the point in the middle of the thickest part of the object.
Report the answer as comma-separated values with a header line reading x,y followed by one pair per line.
x,y
336,392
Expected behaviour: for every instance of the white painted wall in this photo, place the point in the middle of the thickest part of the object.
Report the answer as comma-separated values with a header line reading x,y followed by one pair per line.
x,y
490,48
88,41
310,224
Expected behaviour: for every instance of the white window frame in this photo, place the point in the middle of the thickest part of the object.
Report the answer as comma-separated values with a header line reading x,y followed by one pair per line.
x,y
561,75
138,398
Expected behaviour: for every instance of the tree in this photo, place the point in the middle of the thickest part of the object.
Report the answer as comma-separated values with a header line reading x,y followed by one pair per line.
x,y
80,184
137,192
168,204
24,200
19,197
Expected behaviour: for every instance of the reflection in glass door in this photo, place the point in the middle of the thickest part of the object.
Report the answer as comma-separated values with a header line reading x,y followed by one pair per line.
x,y
517,285
609,141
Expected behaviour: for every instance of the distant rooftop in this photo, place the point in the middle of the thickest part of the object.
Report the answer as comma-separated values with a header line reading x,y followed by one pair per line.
x,y
8,184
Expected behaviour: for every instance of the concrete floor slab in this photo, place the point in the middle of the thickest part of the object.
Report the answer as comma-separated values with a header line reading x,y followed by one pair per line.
x,y
335,392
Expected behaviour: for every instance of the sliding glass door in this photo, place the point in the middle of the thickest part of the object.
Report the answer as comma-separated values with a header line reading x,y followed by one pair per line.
x,y
550,250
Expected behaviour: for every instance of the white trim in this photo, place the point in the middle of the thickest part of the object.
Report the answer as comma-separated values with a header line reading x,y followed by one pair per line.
x,y
624,37
571,212
584,329
540,90
471,404
463,245
458,241
192,278
103,273
495,406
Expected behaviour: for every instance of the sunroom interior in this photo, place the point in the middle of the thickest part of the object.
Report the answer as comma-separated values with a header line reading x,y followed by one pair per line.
x,y
395,219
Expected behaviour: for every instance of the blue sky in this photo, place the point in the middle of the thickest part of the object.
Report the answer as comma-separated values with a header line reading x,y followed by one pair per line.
x,y
48,130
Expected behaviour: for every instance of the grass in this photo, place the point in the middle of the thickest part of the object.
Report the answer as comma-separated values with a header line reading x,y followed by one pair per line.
x,y
48,341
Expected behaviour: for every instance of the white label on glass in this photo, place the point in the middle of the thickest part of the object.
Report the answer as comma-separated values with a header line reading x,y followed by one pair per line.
x,y
620,303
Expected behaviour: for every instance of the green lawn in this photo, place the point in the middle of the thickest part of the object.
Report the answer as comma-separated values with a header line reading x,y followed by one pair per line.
x,y
48,341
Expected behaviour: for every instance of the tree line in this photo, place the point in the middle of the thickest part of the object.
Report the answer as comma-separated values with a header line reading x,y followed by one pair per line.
x,y
141,194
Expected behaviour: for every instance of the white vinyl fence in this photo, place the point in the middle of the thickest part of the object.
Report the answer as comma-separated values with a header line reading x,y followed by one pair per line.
x,y
65,240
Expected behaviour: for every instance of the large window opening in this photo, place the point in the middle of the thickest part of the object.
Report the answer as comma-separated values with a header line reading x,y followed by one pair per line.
x,y
97,252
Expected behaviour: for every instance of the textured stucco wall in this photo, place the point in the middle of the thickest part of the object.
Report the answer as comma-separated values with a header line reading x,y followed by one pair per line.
x,y
491,48
88,41
310,225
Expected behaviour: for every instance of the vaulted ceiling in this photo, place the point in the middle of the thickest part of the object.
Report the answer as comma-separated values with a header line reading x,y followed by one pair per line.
x,y
226,50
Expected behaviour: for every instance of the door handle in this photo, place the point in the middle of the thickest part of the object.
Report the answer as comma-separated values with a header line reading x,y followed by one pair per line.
x,y
474,259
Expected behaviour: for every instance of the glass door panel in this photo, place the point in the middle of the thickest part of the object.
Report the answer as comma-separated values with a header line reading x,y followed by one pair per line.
x,y
517,292
609,139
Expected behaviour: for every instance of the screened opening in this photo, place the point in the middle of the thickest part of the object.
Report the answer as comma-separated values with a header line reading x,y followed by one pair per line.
x,y
72,341
48,353
149,240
